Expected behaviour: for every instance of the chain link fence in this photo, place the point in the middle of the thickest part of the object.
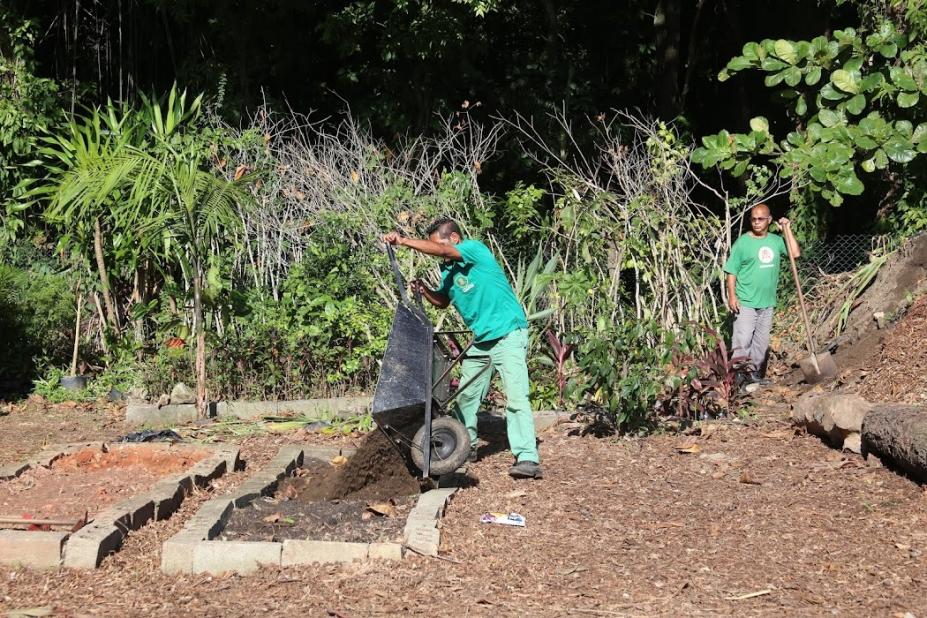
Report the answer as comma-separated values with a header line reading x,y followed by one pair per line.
x,y
841,254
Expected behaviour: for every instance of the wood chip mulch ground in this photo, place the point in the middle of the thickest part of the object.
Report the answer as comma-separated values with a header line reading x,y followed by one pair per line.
x,y
747,519
899,372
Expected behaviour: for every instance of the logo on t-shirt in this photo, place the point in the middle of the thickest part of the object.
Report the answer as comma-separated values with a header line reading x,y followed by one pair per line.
x,y
765,256
463,283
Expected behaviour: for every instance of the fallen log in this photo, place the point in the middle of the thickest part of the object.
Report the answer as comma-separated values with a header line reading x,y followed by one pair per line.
x,y
897,434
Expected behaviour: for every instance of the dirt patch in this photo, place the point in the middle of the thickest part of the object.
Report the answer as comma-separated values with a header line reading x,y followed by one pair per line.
x,y
89,480
28,426
336,520
899,370
376,471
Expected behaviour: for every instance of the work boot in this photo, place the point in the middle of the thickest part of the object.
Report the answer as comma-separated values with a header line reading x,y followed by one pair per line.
x,y
526,470
474,456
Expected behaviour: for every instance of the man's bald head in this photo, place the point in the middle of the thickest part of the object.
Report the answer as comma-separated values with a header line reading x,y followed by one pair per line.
x,y
760,210
759,219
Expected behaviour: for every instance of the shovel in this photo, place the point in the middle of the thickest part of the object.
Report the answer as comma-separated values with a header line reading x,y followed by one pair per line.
x,y
816,367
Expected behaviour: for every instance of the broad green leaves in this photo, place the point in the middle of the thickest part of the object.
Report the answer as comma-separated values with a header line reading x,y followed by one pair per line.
x,y
854,98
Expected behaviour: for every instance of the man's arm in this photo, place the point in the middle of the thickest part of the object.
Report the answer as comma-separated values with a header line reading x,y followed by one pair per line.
x,y
732,301
790,241
435,297
427,247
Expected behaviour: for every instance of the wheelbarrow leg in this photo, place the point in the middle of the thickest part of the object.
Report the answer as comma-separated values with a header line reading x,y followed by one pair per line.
x,y
426,468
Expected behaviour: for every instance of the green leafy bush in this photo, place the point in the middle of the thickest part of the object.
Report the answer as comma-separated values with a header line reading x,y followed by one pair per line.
x,y
36,323
627,370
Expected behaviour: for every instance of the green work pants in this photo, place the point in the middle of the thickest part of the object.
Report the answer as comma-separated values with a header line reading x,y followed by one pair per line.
x,y
506,355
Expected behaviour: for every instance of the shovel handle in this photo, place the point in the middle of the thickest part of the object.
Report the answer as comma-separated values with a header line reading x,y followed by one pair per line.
x,y
804,311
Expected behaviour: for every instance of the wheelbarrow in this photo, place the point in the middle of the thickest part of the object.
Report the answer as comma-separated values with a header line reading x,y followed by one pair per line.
x,y
413,394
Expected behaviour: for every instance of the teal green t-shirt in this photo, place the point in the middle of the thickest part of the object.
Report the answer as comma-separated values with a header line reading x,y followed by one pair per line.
x,y
481,293
755,263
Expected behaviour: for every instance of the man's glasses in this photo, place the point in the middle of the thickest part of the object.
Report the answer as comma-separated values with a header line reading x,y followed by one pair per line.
x,y
758,219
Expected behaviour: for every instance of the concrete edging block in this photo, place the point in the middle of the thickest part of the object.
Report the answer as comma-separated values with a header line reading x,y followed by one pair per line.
x,y
87,547
385,551
307,552
36,549
217,557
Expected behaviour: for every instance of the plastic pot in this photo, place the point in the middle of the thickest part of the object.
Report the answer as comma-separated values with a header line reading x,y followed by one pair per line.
x,y
74,383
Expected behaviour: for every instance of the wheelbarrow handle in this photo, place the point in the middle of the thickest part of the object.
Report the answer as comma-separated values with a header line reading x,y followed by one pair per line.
x,y
400,282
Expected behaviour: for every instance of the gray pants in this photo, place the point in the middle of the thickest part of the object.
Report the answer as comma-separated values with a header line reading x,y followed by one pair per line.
x,y
751,335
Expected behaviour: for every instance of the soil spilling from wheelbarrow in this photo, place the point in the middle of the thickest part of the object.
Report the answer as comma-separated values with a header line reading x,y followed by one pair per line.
x,y
365,499
88,480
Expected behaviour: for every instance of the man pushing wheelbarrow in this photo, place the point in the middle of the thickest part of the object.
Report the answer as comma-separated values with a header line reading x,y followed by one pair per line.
x,y
473,281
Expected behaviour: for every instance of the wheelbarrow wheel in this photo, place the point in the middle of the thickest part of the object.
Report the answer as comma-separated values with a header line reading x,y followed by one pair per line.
x,y
450,445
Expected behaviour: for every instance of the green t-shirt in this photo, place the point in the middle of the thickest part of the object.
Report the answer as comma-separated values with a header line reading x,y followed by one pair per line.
x,y
479,290
755,263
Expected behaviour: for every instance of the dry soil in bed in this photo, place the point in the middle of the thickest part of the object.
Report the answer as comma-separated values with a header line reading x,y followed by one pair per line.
x,y
89,480
366,499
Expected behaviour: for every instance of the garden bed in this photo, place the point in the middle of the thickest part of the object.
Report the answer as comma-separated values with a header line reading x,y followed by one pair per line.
x,y
310,505
90,479
85,498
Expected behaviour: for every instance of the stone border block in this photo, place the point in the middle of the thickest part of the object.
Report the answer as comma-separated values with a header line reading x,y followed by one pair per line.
x,y
177,553
307,552
385,551
87,547
421,533
217,557
11,471
36,549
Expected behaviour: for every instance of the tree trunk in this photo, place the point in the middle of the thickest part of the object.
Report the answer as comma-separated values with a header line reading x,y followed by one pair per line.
x,y
666,21
897,434
200,329
80,302
111,315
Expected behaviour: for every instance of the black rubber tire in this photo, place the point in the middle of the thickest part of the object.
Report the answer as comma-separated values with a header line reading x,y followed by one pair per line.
x,y
450,445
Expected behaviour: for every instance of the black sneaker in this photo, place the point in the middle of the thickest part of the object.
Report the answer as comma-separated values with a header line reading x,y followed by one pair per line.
x,y
474,456
526,470
758,379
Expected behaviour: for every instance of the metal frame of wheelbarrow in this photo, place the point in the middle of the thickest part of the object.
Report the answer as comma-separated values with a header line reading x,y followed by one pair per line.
x,y
392,410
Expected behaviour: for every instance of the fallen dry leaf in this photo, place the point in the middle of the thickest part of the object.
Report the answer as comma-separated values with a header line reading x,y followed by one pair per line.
x,y
339,460
690,449
747,479
272,518
387,509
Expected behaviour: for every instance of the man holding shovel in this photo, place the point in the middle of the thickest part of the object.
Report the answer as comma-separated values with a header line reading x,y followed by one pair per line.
x,y
752,277
473,281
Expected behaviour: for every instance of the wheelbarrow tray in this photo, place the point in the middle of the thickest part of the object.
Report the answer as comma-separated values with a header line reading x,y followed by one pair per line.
x,y
405,383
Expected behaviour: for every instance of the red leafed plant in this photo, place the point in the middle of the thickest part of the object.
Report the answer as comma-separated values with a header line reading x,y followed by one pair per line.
x,y
709,385
560,353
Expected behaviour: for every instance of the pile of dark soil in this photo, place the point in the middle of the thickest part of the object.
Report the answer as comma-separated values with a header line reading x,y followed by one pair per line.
x,y
375,472
899,373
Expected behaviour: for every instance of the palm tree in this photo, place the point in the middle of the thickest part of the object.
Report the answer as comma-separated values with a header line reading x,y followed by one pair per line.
x,y
172,203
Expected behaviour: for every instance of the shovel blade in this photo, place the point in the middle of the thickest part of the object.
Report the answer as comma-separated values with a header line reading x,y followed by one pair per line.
x,y
826,367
